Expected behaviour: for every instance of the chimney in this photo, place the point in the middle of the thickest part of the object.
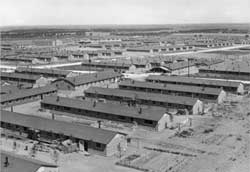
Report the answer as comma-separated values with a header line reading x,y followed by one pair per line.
x,y
94,104
99,123
140,111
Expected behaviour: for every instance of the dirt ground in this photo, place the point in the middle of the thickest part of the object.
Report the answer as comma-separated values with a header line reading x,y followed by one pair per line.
x,y
219,142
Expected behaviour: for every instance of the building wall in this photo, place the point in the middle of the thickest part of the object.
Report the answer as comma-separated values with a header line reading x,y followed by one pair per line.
x,y
162,123
41,82
92,97
26,99
240,89
222,97
143,122
198,108
116,145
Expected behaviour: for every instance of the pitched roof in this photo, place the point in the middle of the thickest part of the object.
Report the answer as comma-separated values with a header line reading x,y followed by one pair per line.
x,y
106,63
107,108
19,76
142,95
90,78
172,87
26,93
70,129
37,71
20,163
233,66
192,80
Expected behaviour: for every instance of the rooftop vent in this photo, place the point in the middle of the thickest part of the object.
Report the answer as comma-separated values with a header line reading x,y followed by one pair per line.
x,y
94,104
140,111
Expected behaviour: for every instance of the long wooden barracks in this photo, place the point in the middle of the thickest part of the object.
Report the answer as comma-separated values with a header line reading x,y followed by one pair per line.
x,y
93,140
86,80
202,93
155,118
53,73
26,95
229,86
133,98
35,80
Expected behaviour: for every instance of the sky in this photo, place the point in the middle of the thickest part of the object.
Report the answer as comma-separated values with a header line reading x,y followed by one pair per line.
x,y
91,12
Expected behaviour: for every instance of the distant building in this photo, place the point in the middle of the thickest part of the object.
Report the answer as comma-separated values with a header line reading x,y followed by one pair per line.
x,y
157,49
231,70
229,86
16,97
101,34
210,44
84,81
35,80
202,93
177,68
47,73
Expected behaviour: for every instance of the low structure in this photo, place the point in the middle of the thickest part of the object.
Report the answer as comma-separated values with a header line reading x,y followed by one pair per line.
x,y
17,163
177,68
19,59
233,73
229,86
26,95
136,98
84,81
157,49
90,139
151,118
107,65
211,44
47,73
202,93
116,66
36,80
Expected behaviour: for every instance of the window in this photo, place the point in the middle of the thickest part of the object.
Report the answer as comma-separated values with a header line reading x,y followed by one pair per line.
x,y
148,122
98,145
121,117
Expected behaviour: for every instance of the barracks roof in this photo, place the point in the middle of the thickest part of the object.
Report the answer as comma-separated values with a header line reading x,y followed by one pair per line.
x,y
37,71
142,95
71,129
26,93
234,66
192,80
90,78
108,108
19,76
172,87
